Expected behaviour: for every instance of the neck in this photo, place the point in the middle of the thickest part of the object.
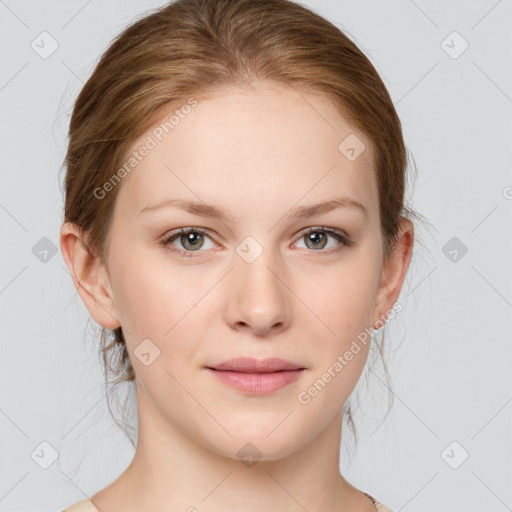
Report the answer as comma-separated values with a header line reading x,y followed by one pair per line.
x,y
172,471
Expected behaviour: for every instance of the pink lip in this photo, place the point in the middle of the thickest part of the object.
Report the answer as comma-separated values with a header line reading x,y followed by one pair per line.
x,y
257,377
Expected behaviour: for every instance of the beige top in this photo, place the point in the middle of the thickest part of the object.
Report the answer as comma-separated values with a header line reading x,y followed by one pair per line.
x,y
82,506
87,506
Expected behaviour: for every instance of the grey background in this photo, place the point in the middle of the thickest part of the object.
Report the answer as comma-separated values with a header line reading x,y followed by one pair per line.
x,y
450,349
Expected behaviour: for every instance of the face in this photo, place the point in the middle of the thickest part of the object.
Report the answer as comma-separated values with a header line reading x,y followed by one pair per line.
x,y
255,280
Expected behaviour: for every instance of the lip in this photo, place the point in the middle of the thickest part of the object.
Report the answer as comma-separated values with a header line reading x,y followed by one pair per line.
x,y
256,377
250,365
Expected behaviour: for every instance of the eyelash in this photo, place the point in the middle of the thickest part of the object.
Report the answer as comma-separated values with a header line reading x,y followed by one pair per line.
x,y
335,233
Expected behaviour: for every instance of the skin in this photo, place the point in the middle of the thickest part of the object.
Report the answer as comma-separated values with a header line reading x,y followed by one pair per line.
x,y
255,153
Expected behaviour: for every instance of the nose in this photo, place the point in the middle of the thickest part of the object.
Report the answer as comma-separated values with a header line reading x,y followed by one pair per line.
x,y
258,300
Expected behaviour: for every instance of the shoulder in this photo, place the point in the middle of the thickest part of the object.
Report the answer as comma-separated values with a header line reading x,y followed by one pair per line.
x,y
87,506
378,505
82,506
382,508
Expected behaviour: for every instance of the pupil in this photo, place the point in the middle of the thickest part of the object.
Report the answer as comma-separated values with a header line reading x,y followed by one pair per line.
x,y
190,238
315,238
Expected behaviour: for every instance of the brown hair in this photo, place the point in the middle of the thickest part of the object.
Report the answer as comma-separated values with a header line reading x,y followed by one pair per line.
x,y
188,47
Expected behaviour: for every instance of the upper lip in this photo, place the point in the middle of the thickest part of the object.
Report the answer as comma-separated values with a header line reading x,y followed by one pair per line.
x,y
249,365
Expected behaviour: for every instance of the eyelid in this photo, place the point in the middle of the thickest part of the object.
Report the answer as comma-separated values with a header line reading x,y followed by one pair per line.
x,y
165,242
186,231
324,229
344,240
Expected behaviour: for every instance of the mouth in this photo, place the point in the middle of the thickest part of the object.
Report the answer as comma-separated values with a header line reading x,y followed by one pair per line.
x,y
257,377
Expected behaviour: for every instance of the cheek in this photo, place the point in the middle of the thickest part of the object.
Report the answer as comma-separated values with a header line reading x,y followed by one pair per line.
x,y
141,297
339,335
158,303
338,346
151,295
339,304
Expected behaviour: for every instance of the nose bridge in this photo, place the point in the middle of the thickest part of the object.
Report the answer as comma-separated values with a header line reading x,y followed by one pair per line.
x,y
258,298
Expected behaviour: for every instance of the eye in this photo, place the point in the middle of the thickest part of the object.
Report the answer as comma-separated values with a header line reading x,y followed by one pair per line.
x,y
317,238
192,239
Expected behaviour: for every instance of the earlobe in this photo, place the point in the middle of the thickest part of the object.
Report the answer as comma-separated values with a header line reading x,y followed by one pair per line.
x,y
393,273
89,276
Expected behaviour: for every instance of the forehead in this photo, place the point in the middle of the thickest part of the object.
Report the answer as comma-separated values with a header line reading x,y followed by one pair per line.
x,y
262,144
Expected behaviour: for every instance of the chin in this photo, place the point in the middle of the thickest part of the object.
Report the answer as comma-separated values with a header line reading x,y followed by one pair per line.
x,y
251,449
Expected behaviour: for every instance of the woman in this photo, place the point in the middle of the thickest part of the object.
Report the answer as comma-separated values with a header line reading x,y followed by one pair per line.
x,y
234,217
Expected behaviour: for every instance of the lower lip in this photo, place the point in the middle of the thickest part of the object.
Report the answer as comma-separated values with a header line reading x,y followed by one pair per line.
x,y
257,383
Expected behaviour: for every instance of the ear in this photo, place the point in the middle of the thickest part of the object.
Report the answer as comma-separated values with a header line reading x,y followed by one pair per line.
x,y
393,272
89,275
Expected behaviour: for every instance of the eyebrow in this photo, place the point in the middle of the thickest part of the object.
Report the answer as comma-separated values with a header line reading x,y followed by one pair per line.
x,y
205,210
